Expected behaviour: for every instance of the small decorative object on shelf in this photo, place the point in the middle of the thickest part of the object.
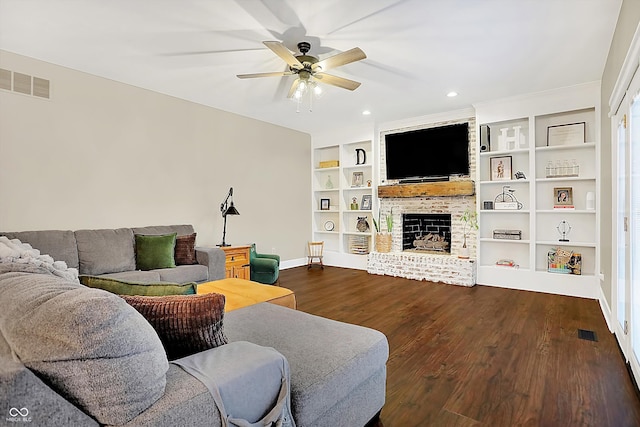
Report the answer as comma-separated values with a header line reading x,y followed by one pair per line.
x,y
362,224
366,202
357,179
325,204
354,204
569,134
563,198
564,228
507,199
520,175
509,142
501,168
368,183
507,263
564,262
329,164
591,200
329,184
487,205
507,234
361,156
562,169
359,245
329,225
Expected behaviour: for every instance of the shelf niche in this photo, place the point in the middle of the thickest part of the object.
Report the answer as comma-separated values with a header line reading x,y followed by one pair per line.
x,y
428,189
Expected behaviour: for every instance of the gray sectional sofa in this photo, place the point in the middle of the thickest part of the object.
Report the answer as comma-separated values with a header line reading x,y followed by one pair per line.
x,y
73,355
111,253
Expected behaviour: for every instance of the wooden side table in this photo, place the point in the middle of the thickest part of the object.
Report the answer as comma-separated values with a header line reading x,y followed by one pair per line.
x,y
237,262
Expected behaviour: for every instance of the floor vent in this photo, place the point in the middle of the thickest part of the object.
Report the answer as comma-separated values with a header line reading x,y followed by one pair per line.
x,y
587,335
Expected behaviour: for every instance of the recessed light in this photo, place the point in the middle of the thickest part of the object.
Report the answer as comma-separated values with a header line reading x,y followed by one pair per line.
x,y
366,113
452,94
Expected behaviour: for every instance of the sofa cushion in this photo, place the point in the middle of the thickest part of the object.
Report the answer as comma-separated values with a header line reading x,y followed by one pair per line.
x,y
180,230
186,324
59,245
153,252
105,251
184,273
122,287
186,250
87,344
151,276
328,359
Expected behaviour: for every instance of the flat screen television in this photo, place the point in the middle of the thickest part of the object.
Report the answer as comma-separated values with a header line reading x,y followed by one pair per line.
x,y
430,154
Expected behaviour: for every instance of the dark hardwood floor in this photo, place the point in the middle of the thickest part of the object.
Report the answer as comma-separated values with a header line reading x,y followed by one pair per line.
x,y
479,356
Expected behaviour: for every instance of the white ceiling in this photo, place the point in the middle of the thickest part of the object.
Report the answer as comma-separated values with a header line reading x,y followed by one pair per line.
x,y
417,50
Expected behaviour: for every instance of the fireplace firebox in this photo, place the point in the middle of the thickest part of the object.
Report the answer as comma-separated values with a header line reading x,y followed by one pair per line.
x,y
430,233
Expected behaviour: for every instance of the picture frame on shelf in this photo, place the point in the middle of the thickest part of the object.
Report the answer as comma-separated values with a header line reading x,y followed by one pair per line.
x,y
357,179
325,204
365,205
562,197
567,134
501,169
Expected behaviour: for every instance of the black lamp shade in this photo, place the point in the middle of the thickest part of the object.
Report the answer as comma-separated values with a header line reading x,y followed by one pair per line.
x,y
231,210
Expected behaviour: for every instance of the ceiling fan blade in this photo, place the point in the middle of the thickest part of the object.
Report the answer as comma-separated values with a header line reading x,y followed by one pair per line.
x,y
352,55
273,74
337,81
294,87
284,53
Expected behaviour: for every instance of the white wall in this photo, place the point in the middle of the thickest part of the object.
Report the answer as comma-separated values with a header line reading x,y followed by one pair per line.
x,y
625,28
101,153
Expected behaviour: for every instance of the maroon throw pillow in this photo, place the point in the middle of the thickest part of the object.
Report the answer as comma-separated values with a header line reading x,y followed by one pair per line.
x,y
186,324
185,252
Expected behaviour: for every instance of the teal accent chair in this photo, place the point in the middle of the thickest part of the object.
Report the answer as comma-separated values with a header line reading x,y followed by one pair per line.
x,y
265,268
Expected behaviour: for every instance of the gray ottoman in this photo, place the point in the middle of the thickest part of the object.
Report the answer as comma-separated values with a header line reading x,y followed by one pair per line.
x,y
338,370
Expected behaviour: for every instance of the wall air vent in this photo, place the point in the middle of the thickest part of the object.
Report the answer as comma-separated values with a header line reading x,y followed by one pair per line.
x,y
40,87
5,79
24,84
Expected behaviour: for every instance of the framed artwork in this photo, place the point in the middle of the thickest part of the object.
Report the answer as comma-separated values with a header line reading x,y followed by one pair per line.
x,y
325,204
357,179
501,168
366,202
569,134
563,196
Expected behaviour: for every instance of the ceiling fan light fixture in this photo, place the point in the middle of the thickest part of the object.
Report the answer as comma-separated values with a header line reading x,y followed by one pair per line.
x,y
308,68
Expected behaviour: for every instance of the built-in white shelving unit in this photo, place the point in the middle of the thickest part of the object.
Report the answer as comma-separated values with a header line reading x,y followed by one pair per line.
x,y
537,219
353,179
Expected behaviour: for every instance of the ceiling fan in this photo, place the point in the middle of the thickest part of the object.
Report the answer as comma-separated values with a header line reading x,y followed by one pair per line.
x,y
308,67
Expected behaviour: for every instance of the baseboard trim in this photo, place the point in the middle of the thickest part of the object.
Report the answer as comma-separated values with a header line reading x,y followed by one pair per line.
x,y
606,310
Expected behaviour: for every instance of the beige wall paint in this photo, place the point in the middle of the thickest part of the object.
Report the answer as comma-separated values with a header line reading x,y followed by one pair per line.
x,y
105,154
627,23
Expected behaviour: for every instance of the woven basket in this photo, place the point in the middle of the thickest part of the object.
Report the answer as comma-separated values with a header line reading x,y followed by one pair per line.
x,y
383,242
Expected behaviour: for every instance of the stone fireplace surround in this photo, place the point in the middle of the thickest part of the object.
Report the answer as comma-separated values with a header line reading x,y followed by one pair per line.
x,y
445,268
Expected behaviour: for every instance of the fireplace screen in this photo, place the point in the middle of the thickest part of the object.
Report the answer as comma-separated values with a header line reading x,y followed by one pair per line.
x,y
426,233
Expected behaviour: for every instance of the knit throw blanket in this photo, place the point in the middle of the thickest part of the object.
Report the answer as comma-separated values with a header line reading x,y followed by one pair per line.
x,y
27,259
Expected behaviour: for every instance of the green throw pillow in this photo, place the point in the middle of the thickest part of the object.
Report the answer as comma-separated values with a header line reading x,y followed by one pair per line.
x,y
122,287
155,251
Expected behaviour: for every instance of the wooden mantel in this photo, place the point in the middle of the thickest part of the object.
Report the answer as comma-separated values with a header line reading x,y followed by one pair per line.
x,y
428,189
